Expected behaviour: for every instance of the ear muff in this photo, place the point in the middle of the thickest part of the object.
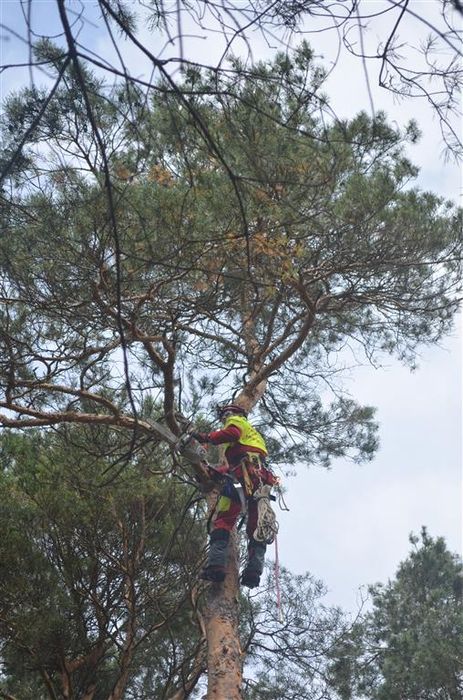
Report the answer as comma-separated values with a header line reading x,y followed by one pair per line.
x,y
223,410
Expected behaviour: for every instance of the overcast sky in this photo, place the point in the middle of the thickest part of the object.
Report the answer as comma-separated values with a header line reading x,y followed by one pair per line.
x,y
350,526
355,520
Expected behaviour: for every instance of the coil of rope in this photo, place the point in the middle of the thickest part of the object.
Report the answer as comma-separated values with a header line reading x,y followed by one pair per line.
x,y
267,525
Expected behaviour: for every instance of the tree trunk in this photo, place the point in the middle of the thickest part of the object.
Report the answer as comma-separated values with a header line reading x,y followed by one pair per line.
x,y
224,655
224,662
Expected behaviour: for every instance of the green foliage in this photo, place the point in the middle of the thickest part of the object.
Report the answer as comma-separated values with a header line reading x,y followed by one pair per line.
x,y
89,570
288,649
411,643
224,233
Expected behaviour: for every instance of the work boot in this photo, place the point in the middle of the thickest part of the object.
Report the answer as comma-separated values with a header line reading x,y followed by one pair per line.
x,y
213,573
255,566
217,560
250,579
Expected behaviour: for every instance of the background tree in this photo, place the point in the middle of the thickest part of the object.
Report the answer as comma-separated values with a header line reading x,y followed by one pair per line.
x,y
94,574
410,644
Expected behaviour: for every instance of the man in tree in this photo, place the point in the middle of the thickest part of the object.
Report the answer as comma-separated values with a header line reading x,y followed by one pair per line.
x,y
245,455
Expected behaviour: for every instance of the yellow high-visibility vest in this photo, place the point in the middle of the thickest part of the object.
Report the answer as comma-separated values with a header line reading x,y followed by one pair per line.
x,y
250,437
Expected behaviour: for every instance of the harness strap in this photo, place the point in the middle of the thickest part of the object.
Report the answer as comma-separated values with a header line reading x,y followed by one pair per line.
x,y
252,464
247,480
229,490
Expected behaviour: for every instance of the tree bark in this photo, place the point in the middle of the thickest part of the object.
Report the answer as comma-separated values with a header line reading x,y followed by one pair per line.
x,y
224,658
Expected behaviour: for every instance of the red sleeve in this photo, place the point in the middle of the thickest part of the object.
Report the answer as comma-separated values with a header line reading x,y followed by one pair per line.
x,y
272,479
230,434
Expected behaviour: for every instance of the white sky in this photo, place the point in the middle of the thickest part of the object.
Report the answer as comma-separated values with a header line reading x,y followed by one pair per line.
x,y
354,521
350,526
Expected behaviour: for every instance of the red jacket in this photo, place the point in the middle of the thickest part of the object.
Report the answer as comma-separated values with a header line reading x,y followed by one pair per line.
x,y
236,452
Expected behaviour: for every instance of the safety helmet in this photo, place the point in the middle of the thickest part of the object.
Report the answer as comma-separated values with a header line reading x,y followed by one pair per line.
x,y
224,409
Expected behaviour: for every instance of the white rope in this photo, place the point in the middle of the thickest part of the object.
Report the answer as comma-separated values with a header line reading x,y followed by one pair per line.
x,y
267,525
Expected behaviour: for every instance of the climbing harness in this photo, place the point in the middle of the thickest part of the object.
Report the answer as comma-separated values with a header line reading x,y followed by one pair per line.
x,y
231,490
246,479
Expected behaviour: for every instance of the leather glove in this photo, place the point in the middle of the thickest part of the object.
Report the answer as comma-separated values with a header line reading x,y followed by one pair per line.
x,y
200,437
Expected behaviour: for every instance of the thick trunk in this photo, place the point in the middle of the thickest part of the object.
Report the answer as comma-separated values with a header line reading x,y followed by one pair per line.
x,y
224,659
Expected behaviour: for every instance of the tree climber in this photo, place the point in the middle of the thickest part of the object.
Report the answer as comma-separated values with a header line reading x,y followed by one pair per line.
x,y
245,454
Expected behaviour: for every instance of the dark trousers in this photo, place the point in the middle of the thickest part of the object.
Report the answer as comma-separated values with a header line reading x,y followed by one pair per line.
x,y
228,510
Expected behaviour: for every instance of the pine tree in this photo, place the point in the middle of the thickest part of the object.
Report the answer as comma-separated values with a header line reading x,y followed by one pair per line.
x,y
410,643
143,265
